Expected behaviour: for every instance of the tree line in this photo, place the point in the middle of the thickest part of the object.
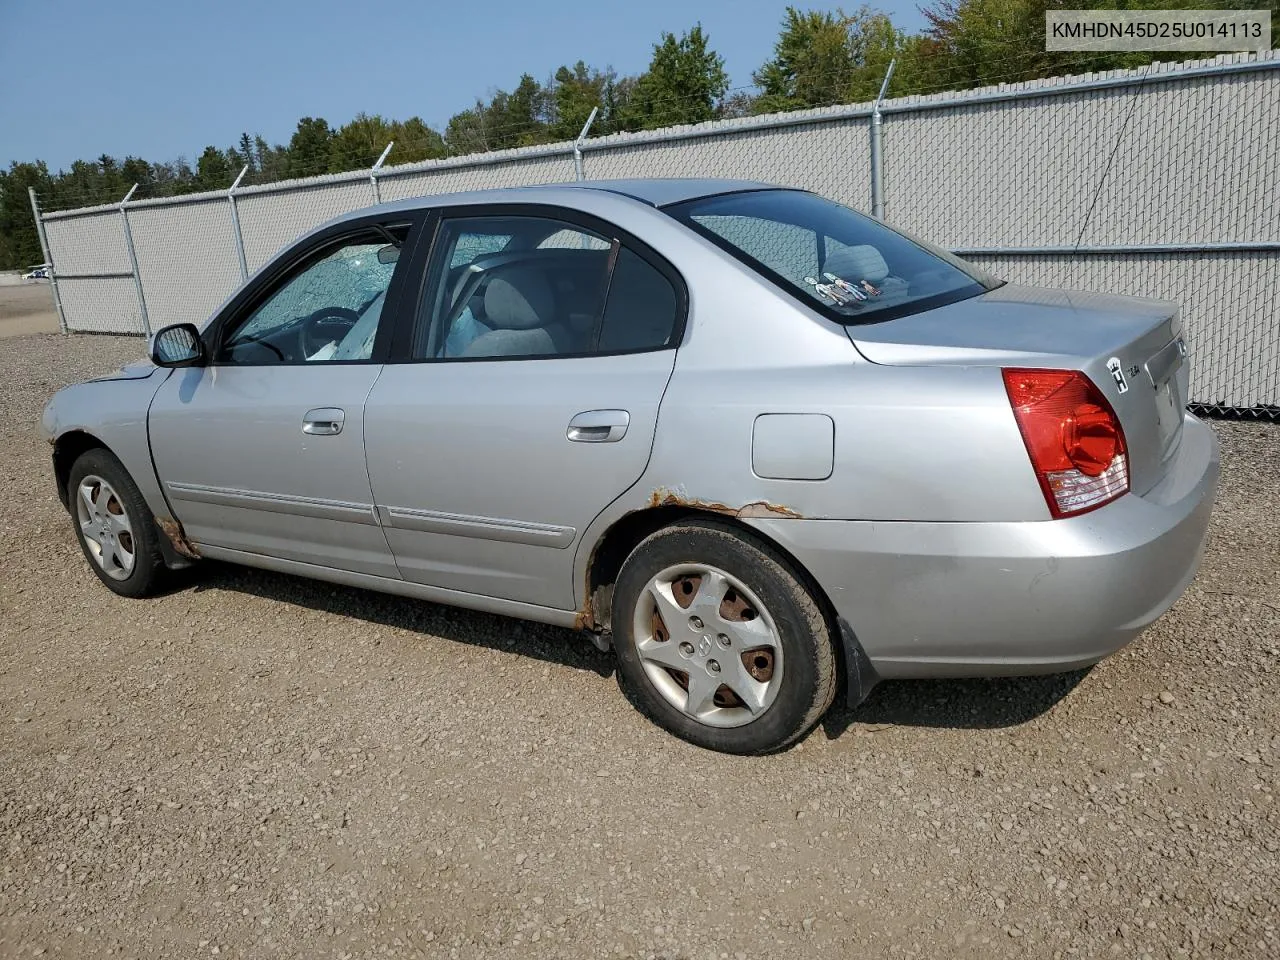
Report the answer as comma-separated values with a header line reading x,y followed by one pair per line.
x,y
820,58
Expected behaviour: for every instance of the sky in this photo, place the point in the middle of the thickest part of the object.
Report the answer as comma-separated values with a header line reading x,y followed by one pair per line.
x,y
159,80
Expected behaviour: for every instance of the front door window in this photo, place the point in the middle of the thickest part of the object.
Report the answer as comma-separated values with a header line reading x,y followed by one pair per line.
x,y
328,310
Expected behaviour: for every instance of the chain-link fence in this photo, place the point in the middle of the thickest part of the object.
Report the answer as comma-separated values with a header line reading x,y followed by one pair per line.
x,y
1158,182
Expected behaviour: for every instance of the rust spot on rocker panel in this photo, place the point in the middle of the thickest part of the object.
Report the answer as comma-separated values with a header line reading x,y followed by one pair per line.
x,y
598,601
173,532
759,509
585,618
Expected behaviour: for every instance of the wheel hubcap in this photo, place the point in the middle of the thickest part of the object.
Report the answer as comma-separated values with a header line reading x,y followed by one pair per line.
x,y
708,645
105,526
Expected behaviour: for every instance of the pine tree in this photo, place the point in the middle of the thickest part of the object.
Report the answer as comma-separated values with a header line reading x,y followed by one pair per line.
x,y
685,83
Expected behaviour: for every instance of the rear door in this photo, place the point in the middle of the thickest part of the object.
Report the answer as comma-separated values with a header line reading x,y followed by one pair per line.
x,y
262,450
526,399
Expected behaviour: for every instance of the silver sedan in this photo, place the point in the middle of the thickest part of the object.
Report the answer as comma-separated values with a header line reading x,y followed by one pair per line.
x,y
767,449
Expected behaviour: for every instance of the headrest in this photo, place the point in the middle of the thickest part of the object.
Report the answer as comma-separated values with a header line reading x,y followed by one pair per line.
x,y
857,263
519,300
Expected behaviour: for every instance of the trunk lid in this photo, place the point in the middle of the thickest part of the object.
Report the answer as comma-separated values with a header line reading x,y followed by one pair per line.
x,y
1130,347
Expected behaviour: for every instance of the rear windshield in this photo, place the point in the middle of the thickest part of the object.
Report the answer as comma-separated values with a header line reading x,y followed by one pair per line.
x,y
853,268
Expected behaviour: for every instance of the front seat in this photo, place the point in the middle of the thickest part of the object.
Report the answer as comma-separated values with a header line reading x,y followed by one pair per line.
x,y
520,307
358,343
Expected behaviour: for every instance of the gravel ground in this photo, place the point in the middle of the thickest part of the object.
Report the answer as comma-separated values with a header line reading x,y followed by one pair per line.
x,y
256,765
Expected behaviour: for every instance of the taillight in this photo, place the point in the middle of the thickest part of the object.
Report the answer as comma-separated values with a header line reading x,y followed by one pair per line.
x,y
1073,436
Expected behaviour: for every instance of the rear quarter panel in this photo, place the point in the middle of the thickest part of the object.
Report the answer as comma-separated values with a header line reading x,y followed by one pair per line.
x,y
911,443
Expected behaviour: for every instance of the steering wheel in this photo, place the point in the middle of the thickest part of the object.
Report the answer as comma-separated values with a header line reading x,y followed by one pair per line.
x,y
328,324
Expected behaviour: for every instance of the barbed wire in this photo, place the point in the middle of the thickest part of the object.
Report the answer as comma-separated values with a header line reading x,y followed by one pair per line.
x,y
989,77
945,76
927,76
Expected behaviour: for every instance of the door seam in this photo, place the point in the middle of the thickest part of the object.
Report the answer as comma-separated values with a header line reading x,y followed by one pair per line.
x,y
373,494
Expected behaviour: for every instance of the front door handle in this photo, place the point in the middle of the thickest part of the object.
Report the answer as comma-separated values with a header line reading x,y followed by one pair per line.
x,y
324,421
599,426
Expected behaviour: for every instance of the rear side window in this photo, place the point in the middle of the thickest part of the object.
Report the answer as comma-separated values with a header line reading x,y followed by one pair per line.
x,y
641,311
852,268
520,298
504,287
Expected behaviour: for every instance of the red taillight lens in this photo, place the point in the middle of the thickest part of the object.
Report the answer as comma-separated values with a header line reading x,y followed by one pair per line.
x,y
1073,437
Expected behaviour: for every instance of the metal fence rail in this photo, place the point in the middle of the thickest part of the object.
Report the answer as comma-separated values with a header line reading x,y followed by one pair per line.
x,y
1161,181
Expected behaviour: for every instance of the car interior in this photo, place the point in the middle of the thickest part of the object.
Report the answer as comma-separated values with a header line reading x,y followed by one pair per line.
x,y
326,311
520,303
331,332
537,288
533,287
829,254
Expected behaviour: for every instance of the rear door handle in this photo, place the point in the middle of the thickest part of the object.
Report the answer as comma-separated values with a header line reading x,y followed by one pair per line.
x,y
324,421
599,426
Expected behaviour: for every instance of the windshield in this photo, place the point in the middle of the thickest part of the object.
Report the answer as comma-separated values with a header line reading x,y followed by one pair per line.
x,y
855,269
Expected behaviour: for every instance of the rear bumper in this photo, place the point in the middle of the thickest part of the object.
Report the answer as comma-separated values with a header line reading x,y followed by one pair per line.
x,y
990,599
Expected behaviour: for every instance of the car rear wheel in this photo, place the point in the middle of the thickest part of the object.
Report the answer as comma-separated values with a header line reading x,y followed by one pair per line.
x,y
116,530
719,640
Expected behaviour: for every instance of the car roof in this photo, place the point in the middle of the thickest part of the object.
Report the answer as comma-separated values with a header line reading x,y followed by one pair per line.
x,y
653,191
660,191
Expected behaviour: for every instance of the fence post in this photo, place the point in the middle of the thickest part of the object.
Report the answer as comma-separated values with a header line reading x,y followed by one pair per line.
x,y
235,224
877,150
577,145
373,173
48,259
133,261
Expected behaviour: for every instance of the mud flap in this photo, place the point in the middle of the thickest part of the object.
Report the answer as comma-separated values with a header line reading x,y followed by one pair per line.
x,y
177,552
860,676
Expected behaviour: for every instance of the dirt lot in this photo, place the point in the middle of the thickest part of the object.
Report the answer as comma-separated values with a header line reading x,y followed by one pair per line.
x,y
26,308
256,765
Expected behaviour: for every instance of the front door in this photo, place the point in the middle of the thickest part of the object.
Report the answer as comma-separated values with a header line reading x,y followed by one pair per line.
x,y
262,450
528,402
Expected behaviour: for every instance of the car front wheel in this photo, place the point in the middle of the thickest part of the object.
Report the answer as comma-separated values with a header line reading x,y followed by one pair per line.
x,y
719,640
116,530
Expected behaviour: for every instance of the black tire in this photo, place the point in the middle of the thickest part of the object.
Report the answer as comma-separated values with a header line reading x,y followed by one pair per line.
x,y
809,675
148,571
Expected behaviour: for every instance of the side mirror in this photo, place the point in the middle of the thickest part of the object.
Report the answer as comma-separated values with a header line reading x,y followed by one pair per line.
x,y
177,346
